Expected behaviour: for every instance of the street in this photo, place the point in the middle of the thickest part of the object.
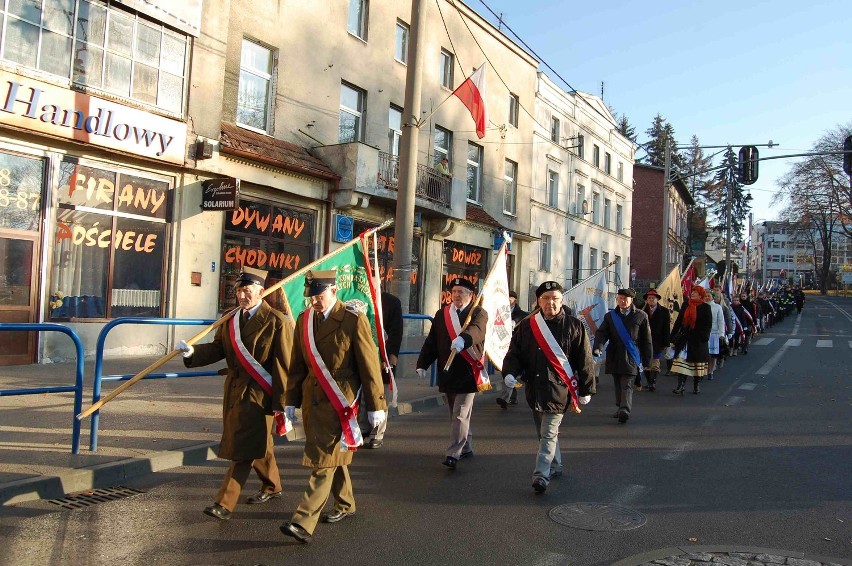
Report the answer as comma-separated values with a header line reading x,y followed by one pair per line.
x,y
761,458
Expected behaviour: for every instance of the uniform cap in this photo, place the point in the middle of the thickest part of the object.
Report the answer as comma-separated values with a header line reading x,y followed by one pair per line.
x,y
547,286
462,282
251,276
318,281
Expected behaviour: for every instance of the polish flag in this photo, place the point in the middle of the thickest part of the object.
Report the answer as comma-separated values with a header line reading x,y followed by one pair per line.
x,y
472,94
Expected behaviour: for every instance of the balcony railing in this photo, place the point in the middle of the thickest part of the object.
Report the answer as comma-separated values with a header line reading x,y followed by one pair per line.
x,y
431,185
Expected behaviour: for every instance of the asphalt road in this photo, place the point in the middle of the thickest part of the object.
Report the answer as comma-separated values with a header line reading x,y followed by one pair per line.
x,y
761,458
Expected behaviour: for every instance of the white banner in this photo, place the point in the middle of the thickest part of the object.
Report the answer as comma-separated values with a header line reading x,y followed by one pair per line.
x,y
495,301
588,300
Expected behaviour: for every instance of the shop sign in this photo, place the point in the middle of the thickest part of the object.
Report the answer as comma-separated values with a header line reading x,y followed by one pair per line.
x,y
465,261
220,194
47,109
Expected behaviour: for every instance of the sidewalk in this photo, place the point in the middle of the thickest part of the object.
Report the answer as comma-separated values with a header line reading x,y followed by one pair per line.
x,y
154,425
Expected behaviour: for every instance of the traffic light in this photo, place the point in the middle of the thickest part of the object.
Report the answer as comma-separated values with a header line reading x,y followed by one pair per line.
x,y
747,165
847,156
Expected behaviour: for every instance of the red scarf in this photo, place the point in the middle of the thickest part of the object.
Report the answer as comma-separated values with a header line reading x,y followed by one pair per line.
x,y
691,313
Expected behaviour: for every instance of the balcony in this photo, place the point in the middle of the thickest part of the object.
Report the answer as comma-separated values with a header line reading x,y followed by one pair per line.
x,y
431,185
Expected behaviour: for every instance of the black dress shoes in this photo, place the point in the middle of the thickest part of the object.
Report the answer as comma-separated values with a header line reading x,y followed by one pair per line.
x,y
375,443
623,416
539,485
468,454
218,512
335,516
262,497
450,462
295,531
502,402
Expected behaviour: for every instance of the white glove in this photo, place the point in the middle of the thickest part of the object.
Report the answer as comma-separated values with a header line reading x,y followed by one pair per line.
x,y
509,381
457,344
584,400
290,412
376,418
186,349
421,373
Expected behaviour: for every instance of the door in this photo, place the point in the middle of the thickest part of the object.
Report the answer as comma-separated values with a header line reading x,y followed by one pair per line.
x,y
21,188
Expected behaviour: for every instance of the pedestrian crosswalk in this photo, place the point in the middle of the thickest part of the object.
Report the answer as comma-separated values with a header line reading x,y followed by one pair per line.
x,y
820,343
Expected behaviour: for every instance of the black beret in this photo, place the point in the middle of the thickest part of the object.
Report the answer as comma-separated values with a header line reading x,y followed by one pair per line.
x,y
513,294
462,282
547,286
627,293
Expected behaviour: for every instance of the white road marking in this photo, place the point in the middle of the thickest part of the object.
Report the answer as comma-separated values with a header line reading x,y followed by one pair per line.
x,y
793,342
678,452
734,401
850,343
825,343
629,495
748,386
710,420
763,342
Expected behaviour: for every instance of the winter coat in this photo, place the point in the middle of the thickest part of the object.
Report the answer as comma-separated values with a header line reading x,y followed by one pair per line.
x,y
718,317
246,408
345,343
436,347
525,360
697,338
618,360
661,325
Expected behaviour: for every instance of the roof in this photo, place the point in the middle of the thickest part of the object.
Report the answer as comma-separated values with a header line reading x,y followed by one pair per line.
x,y
251,145
477,214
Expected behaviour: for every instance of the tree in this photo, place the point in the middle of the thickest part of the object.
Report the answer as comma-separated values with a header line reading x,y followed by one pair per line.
x,y
816,198
733,196
655,149
700,181
626,128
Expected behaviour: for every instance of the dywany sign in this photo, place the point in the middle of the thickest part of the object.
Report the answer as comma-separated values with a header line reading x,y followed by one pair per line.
x,y
48,109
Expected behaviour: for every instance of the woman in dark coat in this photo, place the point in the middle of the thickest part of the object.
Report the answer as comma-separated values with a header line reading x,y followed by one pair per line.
x,y
691,335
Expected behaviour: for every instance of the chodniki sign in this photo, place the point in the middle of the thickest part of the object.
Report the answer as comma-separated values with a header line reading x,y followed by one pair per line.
x,y
220,194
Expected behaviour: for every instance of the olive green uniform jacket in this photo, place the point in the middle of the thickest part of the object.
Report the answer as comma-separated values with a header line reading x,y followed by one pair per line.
x,y
246,408
345,343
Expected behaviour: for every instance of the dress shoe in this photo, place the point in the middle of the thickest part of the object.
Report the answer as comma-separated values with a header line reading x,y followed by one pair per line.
x,y
335,515
555,474
263,496
502,402
539,485
615,414
450,462
218,512
513,402
623,416
468,454
373,444
295,531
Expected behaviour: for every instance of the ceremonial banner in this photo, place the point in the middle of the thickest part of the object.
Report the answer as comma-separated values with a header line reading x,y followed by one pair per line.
x,y
671,292
588,300
495,301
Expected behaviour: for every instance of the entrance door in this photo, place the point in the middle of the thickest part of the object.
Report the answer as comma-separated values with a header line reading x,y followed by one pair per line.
x,y
18,295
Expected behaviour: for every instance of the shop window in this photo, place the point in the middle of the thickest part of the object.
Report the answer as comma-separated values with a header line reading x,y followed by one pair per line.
x,y
264,236
20,192
111,244
465,261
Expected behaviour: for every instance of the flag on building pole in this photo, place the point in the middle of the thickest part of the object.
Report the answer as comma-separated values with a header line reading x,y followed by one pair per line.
x,y
472,94
495,301
671,292
588,300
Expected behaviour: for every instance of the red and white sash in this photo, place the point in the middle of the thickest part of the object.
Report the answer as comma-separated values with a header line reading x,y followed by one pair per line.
x,y
347,412
554,354
451,319
255,370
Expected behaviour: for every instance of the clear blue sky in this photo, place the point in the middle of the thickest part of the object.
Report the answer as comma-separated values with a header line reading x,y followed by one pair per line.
x,y
728,71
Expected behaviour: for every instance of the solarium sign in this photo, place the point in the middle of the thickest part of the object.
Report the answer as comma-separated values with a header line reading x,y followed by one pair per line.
x,y
33,105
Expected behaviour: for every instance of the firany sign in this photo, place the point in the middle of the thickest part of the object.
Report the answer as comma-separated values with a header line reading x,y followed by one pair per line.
x,y
220,194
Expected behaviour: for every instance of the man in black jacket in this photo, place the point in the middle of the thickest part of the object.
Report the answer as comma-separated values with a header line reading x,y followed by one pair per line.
x,y
659,320
550,352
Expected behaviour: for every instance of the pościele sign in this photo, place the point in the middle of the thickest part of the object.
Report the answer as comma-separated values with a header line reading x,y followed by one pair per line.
x,y
220,194
40,107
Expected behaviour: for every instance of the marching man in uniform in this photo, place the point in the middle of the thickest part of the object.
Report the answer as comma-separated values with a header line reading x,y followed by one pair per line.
x,y
256,342
334,357
551,353
466,375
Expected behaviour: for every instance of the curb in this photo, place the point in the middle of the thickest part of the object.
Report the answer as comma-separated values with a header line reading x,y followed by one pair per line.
x,y
679,551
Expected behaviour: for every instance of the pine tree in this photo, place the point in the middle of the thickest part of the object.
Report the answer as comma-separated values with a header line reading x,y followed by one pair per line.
x,y
699,179
660,132
626,128
740,203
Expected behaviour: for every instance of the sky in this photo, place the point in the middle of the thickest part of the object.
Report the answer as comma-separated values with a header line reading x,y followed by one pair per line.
x,y
730,72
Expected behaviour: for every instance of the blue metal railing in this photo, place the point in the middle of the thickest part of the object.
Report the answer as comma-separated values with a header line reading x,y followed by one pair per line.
x,y
433,378
77,388
99,361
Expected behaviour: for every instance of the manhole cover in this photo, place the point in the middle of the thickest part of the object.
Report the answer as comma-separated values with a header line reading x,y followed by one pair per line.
x,y
597,517
89,498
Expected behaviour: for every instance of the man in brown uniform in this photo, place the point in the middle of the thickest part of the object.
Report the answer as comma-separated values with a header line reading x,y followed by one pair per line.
x,y
256,342
334,356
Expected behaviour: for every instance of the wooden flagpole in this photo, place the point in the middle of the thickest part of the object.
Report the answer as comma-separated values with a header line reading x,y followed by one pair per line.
x,y
453,351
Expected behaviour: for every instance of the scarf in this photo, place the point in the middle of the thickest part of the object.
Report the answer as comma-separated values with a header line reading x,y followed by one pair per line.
x,y
691,313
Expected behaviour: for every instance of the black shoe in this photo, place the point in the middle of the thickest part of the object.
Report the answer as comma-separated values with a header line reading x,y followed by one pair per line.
x,y
335,516
450,462
709,377
295,531
615,414
652,388
218,512
468,454
262,497
502,402
373,444
555,474
513,402
623,416
539,485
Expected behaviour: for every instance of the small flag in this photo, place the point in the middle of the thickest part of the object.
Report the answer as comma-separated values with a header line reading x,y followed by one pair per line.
x,y
472,94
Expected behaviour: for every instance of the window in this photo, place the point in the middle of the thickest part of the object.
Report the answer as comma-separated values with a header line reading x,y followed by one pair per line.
x,y
21,180
596,209
552,188
581,144
604,259
394,130
443,146
357,24
593,260
619,218
474,172
620,172
110,253
544,252
352,109
447,69
596,155
580,205
510,192
617,269
401,52
514,107
103,48
607,163
606,212
255,92
554,130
